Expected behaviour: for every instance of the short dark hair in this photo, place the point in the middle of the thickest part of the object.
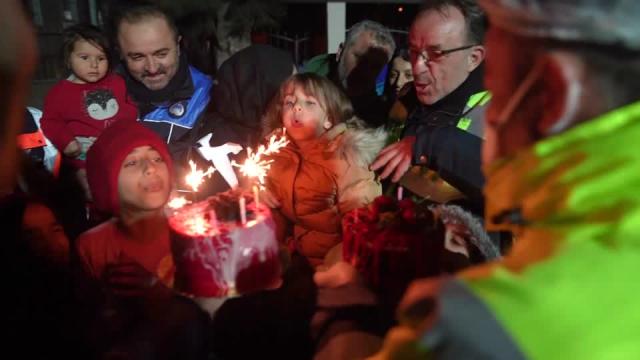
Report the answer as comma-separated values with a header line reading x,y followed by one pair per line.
x,y
140,11
87,32
402,53
475,18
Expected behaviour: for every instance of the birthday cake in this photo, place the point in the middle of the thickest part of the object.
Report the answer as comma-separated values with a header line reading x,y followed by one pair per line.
x,y
220,250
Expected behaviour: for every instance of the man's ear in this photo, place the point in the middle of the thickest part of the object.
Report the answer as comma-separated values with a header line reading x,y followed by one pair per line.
x,y
475,57
339,52
562,87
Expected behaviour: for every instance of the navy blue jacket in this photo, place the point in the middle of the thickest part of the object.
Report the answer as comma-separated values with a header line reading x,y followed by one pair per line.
x,y
448,145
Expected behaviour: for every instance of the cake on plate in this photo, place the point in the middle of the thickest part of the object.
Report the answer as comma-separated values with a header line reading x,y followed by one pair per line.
x,y
216,254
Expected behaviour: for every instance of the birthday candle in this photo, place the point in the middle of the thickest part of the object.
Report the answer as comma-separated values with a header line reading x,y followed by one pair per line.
x,y
256,195
243,210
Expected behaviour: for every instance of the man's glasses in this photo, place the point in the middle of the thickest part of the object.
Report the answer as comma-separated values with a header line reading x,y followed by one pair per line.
x,y
430,55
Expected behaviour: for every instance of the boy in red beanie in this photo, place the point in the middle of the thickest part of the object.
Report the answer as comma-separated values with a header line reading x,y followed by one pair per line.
x,y
129,175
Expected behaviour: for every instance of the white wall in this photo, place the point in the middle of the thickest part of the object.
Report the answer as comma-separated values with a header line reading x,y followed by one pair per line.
x,y
336,25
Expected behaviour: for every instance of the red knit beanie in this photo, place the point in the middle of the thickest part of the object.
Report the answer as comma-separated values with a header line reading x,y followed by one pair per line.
x,y
106,155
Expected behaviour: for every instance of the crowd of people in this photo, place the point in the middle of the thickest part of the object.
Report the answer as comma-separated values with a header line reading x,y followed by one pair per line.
x,y
512,120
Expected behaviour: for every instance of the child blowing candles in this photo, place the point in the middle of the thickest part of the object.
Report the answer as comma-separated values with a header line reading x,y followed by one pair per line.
x,y
324,171
129,173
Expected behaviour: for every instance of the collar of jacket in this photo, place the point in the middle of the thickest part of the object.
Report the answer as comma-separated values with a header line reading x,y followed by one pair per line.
x,y
352,142
568,188
326,142
455,102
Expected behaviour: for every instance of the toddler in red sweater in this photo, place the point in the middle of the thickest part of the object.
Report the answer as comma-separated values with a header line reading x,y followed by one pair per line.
x,y
77,109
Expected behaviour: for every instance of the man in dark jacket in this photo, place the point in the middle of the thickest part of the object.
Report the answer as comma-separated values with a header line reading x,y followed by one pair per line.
x,y
246,83
561,174
170,94
445,132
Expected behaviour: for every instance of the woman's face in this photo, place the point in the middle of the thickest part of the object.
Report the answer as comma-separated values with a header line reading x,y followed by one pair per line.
x,y
400,73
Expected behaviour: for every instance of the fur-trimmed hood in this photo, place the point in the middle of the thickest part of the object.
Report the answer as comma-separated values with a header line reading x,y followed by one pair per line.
x,y
358,144
477,235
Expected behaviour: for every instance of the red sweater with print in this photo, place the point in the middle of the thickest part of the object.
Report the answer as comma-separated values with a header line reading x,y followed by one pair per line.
x,y
81,111
108,244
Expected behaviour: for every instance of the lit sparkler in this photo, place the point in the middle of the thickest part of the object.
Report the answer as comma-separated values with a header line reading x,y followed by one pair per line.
x,y
197,225
255,166
177,202
196,176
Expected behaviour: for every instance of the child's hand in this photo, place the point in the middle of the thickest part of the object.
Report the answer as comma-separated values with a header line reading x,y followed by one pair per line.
x,y
128,278
340,274
73,149
269,199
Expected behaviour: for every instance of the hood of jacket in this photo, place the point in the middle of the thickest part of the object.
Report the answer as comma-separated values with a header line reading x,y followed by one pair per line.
x,y
244,86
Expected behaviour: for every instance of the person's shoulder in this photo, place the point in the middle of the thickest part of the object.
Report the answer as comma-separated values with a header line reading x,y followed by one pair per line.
x,y
60,88
360,144
114,82
60,95
199,78
319,64
113,78
97,234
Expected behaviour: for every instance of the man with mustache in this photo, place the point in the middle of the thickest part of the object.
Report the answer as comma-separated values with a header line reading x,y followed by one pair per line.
x,y
444,133
562,174
171,95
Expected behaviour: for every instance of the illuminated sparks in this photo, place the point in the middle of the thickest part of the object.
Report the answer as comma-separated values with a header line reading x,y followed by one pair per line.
x,y
196,176
177,202
275,143
255,166
197,225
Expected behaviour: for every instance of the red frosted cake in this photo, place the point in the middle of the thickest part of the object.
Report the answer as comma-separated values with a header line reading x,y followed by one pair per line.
x,y
216,255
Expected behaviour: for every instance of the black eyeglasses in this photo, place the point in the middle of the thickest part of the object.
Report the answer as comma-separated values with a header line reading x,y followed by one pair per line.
x,y
434,54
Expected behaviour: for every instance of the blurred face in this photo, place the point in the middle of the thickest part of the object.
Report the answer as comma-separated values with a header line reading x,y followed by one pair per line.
x,y
400,73
437,74
350,55
303,116
150,50
504,73
45,235
87,62
143,182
